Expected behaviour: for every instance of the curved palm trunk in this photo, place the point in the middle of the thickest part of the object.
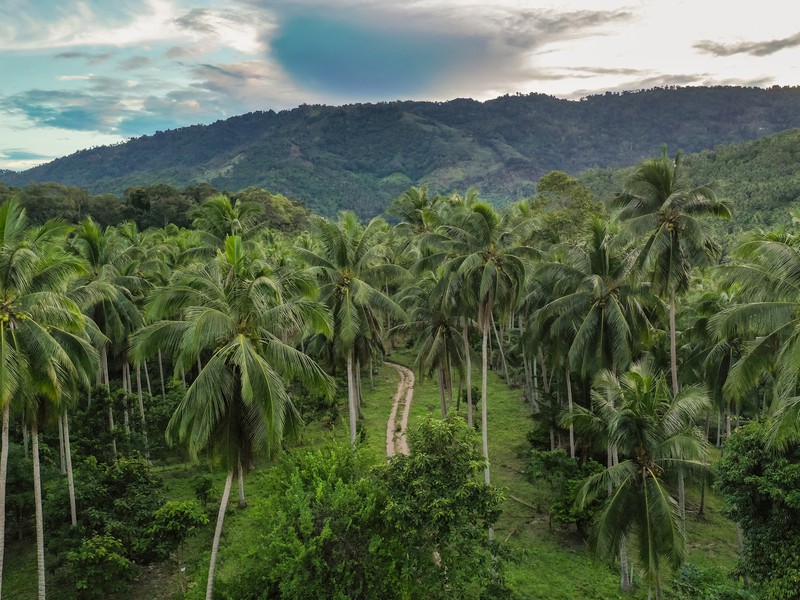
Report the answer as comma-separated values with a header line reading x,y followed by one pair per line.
x,y
217,534
62,458
73,510
351,397
468,367
37,496
3,476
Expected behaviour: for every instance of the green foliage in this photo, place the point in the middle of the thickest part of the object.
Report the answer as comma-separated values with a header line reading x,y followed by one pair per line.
x,y
203,486
336,522
761,487
99,568
117,499
173,522
694,583
565,476
360,157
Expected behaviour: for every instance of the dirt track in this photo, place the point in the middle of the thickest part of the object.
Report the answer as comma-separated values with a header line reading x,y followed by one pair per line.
x,y
396,434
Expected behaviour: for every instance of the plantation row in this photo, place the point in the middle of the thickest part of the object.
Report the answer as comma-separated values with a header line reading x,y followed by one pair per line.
x,y
632,345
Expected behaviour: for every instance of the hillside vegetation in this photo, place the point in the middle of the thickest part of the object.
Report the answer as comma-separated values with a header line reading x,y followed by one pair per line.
x,y
362,156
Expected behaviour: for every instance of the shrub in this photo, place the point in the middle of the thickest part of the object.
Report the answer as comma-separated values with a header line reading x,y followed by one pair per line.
x,y
99,568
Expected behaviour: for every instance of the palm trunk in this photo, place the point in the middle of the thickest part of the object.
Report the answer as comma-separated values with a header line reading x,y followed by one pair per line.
x,y
126,418
535,393
37,498
351,396
359,396
625,577
73,509
223,505
26,442
442,401
107,383
161,375
147,380
673,345
371,372
484,398
240,478
448,380
569,408
62,458
502,353
3,476
141,410
468,368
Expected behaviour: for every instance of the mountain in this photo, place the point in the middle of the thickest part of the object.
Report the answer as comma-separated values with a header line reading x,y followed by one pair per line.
x,y
362,156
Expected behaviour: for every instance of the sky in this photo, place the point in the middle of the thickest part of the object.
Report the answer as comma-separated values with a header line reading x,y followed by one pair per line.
x,y
81,73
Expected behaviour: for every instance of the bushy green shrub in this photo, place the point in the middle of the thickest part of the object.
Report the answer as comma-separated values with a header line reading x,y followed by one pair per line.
x,y
693,583
99,568
172,523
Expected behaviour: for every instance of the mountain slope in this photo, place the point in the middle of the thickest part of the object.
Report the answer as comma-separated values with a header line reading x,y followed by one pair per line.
x,y
361,156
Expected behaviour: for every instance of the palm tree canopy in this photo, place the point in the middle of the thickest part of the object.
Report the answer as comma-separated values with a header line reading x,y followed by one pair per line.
x,y
233,313
659,201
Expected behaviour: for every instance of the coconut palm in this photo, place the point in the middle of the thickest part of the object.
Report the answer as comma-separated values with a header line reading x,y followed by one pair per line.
x,y
235,314
655,433
41,332
108,290
348,260
481,248
659,202
767,276
434,324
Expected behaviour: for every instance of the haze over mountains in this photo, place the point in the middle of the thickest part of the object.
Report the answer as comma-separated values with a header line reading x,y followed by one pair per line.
x,y
360,157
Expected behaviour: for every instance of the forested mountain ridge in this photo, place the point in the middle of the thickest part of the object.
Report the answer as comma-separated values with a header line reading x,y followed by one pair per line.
x,y
362,156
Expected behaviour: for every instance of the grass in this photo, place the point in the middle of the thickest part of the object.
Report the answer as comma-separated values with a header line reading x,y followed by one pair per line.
x,y
551,562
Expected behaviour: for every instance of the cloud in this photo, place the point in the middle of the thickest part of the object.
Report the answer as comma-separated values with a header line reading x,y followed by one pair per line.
x,y
92,58
135,62
16,154
752,48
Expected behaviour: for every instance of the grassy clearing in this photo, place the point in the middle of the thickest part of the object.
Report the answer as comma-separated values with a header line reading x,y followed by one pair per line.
x,y
551,562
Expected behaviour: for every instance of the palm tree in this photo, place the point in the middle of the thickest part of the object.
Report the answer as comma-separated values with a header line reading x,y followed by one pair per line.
x,y
434,324
41,333
658,201
235,314
767,277
108,290
653,429
349,259
480,247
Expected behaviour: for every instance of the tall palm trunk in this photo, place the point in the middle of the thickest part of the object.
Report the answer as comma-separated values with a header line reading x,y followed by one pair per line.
x,y
62,458
3,476
240,478
37,498
223,505
502,353
73,509
569,408
147,380
161,375
673,363
351,396
141,411
107,383
484,397
673,344
359,397
468,368
442,401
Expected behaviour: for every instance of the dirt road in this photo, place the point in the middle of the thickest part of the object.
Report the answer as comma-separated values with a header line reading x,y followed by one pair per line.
x,y
396,432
